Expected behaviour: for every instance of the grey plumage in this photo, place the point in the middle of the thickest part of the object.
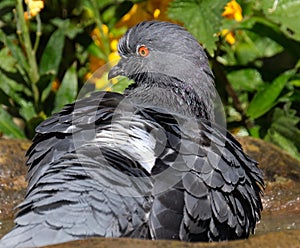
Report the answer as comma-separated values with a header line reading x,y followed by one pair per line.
x,y
147,164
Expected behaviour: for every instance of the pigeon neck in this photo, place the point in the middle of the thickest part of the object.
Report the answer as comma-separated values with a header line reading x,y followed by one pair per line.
x,y
171,94
191,99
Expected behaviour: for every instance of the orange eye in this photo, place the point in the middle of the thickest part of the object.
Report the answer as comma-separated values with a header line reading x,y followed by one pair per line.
x,y
143,51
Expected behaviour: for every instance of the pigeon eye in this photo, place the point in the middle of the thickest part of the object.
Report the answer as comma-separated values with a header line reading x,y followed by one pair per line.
x,y
143,51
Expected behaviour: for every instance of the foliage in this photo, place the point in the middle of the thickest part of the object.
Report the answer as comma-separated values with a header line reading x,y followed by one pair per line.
x,y
202,24
45,56
253,46
257,69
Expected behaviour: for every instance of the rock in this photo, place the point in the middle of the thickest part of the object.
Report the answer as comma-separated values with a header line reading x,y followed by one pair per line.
x,y
281,201
282,176
12,175
284,239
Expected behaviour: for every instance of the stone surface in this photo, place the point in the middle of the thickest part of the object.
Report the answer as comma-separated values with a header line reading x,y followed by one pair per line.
x,y
282,176
12,175
280,225
284,239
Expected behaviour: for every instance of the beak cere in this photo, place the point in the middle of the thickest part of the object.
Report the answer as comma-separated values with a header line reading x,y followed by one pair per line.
x,y
115,71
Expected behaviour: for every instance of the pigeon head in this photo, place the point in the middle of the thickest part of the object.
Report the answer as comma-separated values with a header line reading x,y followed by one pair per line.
x,y
163,55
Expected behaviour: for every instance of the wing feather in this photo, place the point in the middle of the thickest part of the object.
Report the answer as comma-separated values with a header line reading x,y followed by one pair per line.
x,y
104,167
221,186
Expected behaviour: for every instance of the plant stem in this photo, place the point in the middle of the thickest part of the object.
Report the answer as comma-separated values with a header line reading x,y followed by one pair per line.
x,y
98,21
38,33
33,68
219,72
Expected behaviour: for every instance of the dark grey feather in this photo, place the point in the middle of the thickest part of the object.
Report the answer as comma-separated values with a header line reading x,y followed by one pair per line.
x,y
149,164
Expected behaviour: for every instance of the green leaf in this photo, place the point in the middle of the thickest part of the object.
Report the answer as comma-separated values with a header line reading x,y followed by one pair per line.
x,y
96,51
16,51
254,131
44,82
267,47
100,4
47,91
11,88
201,17
8,127
254,47
14,91
27,110
68,89
295,82
246,53
266,28
284,132
52,53
121,85
115,12
7,3
51,59
286,13
8,62
281,141
70,29
265,99
4,99
245,80
285,122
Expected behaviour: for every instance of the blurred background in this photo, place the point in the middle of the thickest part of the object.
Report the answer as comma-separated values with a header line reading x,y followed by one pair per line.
x,y
49,49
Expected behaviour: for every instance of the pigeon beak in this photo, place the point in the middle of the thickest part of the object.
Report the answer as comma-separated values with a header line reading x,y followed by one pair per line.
x,y
117,70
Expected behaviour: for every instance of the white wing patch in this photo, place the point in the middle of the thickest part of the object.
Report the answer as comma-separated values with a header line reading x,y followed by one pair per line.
x,y
130,138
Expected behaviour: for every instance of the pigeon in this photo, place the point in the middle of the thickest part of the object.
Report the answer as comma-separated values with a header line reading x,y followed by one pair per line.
x,y
151,163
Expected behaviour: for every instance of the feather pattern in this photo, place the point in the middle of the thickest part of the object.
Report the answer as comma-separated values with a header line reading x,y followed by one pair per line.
x,y
150,163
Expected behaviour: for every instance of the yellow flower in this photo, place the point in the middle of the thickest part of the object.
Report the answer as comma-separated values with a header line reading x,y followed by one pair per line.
x,y
128,16
229,36
233,11
105,29
113,58
96,36
114,45
156,13
145,10
34,7
55,84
